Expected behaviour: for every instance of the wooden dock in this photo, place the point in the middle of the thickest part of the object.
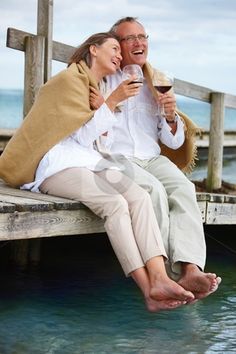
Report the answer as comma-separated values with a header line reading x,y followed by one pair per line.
x,y
25,215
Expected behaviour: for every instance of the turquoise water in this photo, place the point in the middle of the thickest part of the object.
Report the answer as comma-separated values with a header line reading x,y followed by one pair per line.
x,y
11,108
79,302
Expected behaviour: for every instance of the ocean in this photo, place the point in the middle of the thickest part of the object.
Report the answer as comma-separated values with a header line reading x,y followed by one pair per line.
x,y
11,115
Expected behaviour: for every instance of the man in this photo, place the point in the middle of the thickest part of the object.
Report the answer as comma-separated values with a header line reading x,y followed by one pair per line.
x,y
138,134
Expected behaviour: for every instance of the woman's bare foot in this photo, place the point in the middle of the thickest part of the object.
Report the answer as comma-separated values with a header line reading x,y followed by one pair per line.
x,y
199,283
155,306
163,289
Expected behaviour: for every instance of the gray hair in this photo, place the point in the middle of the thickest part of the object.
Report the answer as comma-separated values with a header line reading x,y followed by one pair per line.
x,y
122,20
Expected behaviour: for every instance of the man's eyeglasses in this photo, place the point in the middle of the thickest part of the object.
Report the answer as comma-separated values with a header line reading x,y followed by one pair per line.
x,y
132,38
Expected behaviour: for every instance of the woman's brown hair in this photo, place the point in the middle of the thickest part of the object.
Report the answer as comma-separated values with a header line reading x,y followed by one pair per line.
x,y
83,51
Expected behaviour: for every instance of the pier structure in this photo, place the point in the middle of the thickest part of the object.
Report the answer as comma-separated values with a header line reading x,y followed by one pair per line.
x,y
26,216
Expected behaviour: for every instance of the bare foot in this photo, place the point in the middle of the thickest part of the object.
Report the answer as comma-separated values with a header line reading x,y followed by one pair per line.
x,y
163,289
199,283
213,288
155,306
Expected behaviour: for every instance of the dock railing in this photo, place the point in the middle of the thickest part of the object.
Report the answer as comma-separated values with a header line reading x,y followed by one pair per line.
x,y
40,50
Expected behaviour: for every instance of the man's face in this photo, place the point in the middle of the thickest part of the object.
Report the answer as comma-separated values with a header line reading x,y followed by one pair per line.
x,y
133,49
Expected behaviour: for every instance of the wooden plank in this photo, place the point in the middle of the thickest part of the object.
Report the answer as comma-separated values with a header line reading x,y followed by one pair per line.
x,y
188,89
16,40
7,207
44,29
216,143
24,204
230,101
34,70
59,203
221,214
27,225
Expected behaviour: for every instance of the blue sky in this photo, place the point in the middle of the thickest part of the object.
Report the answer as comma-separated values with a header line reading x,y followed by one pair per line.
x,y
195,40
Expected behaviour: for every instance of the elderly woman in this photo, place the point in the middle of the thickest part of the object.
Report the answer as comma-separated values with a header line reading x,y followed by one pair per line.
x,y
54,152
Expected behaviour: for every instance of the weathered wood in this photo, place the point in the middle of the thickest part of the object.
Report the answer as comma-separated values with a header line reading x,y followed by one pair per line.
x,y
27,225
221,214
60,51
34,251
19,252
58,203
24,204
44,29
216,143
188,89
34,66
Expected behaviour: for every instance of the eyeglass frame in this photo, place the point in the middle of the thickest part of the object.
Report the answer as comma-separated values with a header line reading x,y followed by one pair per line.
x,y
132,38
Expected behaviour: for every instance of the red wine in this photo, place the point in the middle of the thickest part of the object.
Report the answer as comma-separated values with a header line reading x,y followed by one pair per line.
x,y
163,89
135,82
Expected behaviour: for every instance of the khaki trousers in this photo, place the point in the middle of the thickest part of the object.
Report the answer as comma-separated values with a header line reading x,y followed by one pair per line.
x,y
175,205
130,221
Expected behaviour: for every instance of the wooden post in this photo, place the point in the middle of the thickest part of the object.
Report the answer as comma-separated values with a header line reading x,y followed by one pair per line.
x,y
44,28
34,69
216,143
34,78
19,252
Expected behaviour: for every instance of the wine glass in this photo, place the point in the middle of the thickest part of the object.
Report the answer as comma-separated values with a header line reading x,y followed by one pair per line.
x,y
132,70
162,82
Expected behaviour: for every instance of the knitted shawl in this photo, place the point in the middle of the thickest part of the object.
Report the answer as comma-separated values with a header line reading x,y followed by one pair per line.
x,y
185,156
61,107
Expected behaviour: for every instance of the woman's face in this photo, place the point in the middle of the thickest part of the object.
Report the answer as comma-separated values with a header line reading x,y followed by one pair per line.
x,y
107,57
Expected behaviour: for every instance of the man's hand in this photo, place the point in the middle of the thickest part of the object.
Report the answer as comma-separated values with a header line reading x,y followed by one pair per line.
x,y
169,101
95,98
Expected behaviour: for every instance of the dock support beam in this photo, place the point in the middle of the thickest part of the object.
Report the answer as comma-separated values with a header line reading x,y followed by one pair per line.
x,y
216,143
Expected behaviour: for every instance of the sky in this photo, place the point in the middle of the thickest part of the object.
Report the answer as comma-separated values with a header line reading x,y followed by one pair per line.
x,y
193,39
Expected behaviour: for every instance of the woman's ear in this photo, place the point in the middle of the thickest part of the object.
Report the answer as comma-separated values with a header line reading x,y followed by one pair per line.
x,y
93,50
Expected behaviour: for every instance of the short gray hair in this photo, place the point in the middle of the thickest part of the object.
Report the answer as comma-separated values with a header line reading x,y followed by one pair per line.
x,y
122,20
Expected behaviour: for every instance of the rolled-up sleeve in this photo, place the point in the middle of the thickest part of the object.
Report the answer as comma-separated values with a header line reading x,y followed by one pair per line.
x,y
167,138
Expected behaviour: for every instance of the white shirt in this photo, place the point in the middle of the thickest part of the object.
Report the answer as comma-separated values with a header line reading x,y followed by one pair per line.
x,y
138,128
77,150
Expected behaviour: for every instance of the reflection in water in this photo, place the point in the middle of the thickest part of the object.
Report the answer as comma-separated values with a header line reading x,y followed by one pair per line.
x,y
80,302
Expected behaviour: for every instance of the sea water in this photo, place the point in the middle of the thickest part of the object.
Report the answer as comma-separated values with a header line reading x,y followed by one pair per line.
x,y
79,302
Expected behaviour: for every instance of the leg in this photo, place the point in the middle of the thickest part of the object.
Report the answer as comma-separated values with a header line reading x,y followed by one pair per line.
x,y
81,184
165,292
158,196
186,239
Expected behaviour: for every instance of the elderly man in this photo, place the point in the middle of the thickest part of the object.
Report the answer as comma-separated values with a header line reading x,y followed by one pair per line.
x,y
143,136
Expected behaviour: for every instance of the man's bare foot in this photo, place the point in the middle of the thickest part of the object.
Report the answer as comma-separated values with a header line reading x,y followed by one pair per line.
x,y
199,283
163,289
155,306
213,288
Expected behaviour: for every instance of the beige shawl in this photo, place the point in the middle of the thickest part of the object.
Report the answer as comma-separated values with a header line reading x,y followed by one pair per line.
x,y
61,107
186,155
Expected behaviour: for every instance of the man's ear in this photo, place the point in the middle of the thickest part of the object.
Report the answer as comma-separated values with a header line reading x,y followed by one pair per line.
x,y
93,50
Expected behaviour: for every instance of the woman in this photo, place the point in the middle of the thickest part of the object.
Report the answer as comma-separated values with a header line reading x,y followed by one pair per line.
x,y
54,148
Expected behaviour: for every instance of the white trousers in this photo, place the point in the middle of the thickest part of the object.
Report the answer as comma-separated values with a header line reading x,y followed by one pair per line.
x,y
175,205
130,221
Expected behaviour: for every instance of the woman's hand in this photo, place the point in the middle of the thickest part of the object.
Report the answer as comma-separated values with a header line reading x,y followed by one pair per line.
x,y
126,89
95,98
